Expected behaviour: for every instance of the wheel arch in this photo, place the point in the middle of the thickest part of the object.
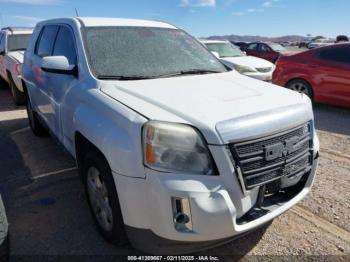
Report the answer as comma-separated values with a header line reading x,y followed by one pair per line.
x,y
83,144
116,135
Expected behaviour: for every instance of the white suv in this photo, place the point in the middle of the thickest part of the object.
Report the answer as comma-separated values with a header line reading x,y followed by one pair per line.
x,y
13,43
177,153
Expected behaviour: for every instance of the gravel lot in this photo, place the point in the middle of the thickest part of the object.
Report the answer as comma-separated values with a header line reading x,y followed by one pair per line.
x,y
48,213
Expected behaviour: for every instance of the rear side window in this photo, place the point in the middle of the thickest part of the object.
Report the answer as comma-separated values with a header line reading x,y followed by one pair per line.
x,y
65,45
46,40
339,54
264,48
252,47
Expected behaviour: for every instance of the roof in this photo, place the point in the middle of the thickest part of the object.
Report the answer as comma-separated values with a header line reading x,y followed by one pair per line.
x,y
104,21
213,41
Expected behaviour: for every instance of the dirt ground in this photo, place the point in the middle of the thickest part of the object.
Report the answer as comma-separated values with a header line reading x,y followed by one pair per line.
x,y
49,215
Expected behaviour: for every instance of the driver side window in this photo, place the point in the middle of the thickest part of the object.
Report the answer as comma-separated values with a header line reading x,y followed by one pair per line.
x,y
65,45
253,47
264,48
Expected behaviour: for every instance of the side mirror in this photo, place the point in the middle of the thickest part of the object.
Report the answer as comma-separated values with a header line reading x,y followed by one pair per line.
x,y
2,52
58,65
216,54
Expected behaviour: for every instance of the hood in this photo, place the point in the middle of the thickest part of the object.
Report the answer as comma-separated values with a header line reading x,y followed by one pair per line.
x,y
202,100
251,61
17,55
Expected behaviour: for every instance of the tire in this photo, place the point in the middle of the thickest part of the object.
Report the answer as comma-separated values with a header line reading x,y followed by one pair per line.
x,y
4,237
103,198
18,97
35,125
301,86
5,250
3,83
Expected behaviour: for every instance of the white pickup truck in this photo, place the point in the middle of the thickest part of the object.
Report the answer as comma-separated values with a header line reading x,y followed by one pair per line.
x,y
13,43
177,152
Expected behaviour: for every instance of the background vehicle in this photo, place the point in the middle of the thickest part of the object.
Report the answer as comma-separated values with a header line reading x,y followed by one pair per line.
x,y
323,74
342,39
268,51
154,121
320,42
233,57
241,45
4,238
13,43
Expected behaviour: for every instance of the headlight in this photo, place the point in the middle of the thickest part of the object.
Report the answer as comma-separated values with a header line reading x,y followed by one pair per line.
x,y
175,148
244,69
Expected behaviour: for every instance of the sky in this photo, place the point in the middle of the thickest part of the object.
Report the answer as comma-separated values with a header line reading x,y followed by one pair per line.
x,y
201,18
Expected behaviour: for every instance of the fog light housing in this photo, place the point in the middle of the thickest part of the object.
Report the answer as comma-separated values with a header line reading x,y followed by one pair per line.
x,y
182,214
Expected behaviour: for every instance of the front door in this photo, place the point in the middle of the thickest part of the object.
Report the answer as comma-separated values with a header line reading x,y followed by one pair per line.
x,y
334,75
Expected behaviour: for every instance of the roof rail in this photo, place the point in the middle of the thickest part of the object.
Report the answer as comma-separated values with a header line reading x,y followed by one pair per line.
x,y
12,28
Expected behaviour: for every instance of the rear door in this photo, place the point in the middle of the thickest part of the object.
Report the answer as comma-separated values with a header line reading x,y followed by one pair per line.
x,y
252,49
334,74
267,53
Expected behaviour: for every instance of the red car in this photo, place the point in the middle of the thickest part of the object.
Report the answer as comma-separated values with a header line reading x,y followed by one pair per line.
x,y
322,73
268,51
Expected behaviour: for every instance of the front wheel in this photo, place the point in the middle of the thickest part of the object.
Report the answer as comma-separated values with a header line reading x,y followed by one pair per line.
x,y
103,198
300,86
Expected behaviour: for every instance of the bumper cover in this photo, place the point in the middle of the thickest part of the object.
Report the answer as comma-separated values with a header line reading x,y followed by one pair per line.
x,y
148,214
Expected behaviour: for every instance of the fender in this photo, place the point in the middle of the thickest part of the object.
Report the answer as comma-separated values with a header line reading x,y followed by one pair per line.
x,y
121,139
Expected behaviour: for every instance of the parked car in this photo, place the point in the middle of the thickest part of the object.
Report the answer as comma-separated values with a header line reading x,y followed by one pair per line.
x,y
241,45
342,39
4,235
320,42
177,152
269,51
13,42
285,44
323,74
233,57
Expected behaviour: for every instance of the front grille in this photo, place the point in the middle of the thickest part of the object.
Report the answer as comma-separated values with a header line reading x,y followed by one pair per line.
x,y
267,159
264,69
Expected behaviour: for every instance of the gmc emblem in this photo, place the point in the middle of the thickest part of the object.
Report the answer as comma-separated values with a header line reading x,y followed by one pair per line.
x,y
278,150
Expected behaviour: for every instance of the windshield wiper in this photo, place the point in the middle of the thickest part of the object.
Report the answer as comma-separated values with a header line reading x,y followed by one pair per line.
x,y
184,72
123,78
17,49
198,72
189,72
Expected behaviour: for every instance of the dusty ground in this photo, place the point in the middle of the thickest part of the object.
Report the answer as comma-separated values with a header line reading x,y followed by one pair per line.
x,y
48,212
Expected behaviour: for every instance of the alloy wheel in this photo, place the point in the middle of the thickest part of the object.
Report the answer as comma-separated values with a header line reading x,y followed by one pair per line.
x,y
98,196
301,88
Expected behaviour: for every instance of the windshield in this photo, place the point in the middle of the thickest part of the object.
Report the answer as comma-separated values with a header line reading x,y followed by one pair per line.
x,y
18,42
131,52
225,49
277,47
